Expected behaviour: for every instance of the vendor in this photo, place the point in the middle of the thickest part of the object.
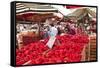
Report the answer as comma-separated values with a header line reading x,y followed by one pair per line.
x,y
53,33
53,30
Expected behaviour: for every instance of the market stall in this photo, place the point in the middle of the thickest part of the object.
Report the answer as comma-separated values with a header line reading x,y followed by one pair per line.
x,y
29,18
33,48
36,18
87,18
83,17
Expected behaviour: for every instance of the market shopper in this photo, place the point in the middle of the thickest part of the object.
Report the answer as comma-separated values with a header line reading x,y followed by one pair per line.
x,y
71,29
80,29
46,32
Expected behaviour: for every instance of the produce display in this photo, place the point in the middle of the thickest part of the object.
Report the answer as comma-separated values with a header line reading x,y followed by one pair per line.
x,y
69,50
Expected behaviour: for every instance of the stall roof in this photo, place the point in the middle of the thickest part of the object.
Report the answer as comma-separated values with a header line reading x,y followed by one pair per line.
x,y
62,9
81,12
22,7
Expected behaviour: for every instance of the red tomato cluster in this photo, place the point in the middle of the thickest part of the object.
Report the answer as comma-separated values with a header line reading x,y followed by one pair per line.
x,y
68,51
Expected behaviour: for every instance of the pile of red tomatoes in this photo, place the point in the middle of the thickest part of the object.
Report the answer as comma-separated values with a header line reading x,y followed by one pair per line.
x,y
69,50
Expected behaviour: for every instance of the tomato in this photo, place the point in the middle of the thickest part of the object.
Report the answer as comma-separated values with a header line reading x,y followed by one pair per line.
x,y
69,50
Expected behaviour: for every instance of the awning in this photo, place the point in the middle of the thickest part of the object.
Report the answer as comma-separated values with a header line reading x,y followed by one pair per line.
x,y
26,7
80,13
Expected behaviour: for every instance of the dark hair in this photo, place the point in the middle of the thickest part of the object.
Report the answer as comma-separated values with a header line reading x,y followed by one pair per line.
x,y
52,25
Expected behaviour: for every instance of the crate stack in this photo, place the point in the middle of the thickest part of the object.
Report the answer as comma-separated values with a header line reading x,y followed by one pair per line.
x,y
89,52
92,48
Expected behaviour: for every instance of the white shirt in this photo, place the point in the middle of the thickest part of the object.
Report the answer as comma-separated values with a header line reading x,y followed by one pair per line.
x,y
53,31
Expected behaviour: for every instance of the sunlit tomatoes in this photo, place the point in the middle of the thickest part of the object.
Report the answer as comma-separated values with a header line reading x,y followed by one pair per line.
x,y
69,50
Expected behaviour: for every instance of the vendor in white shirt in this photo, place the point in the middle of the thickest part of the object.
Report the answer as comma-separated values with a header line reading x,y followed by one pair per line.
x,y
53,30
52,33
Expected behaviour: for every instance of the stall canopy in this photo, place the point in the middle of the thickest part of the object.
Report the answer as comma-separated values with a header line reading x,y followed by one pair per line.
x,y
26,7
80,13
34,12
63,10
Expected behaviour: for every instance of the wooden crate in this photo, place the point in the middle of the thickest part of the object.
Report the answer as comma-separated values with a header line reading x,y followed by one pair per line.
x,y
89,52
92,48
